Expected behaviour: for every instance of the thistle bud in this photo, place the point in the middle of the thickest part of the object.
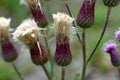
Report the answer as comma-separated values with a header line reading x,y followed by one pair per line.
x,y
39,55
111,3
9,52
110,48
28,33
37,12
63,28
85,17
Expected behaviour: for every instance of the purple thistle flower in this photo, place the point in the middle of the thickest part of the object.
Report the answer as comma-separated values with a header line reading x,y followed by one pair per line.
x,y
85,16
110,47
111,3
9,52
117,35
39,55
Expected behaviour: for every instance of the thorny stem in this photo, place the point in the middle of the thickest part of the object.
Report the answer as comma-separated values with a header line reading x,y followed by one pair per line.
x,y
17,72
102,34
46,42
46,72
69,11
63,73
84,54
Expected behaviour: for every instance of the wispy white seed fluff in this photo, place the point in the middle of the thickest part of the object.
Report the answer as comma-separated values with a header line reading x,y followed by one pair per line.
x,y
62,24
4,27
30,2
27,32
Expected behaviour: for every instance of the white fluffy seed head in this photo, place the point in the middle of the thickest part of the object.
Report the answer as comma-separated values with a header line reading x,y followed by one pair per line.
x,y
62,24
27,32
4,27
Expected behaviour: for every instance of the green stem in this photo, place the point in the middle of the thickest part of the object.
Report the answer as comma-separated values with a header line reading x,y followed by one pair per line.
x,y
84,54
50,57
46,72
102,34
84,71
84,45
69,11
63,73
17,72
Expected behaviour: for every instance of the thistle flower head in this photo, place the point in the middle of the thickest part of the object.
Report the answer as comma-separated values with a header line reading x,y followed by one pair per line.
x,y
117,34
27,32
109,46
62,24
4,27
85,17
37,12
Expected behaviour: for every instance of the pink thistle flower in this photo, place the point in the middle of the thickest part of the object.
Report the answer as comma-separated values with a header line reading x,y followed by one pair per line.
x,y
109,46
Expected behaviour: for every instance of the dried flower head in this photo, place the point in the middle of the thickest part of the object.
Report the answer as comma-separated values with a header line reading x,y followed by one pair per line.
x,y
27,32
109,46
62,24
63,28
4,27
117,34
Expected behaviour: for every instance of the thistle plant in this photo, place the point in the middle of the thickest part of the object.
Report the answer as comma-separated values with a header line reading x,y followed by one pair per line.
x,y
31,31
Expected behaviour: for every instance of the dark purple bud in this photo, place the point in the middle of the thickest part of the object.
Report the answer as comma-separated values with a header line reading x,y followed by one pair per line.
x,y
39,15
85,16
38,54
9,52
111,3
63,55
115,58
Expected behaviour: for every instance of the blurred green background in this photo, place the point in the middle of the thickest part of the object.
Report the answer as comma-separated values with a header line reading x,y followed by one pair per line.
x,y
12,9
